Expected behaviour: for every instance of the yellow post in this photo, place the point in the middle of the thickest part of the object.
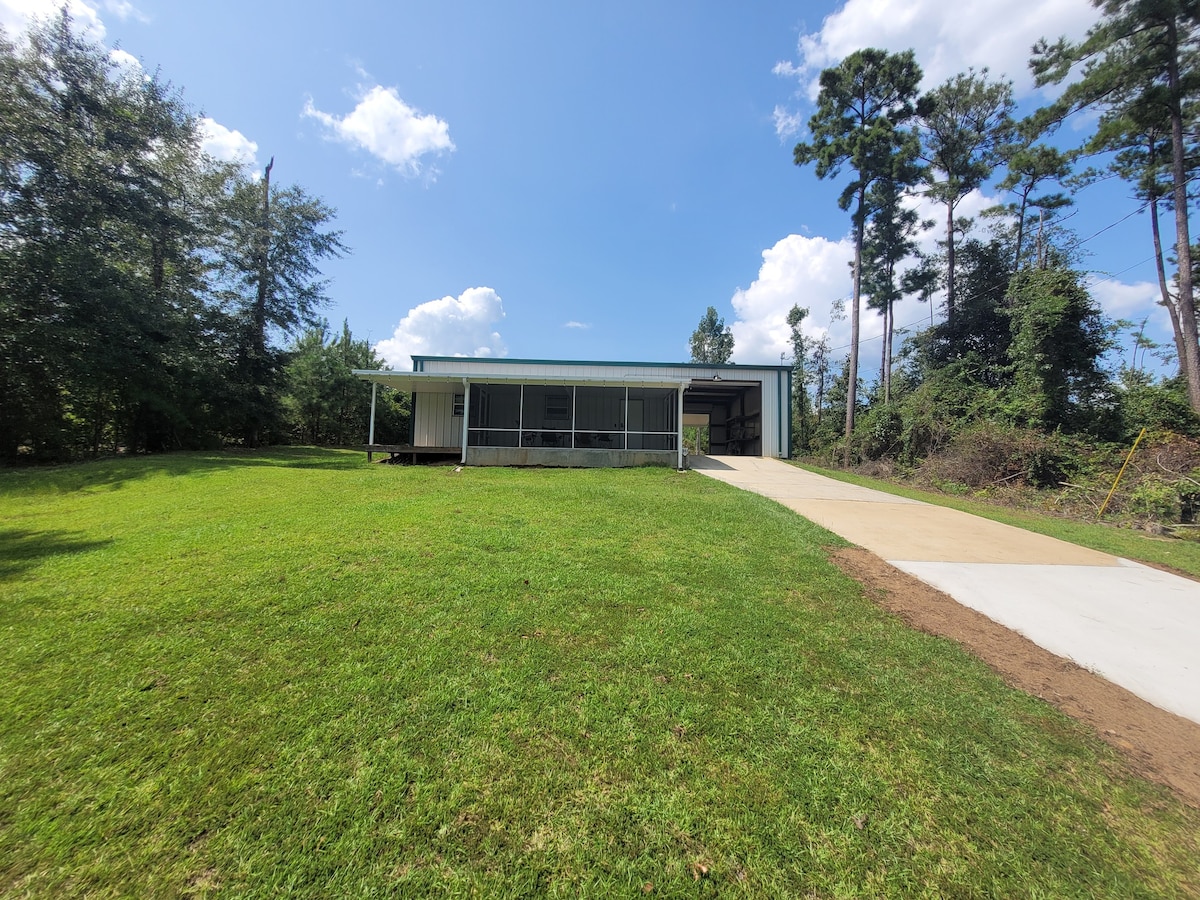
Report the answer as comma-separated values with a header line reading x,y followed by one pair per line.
x,y
1104,505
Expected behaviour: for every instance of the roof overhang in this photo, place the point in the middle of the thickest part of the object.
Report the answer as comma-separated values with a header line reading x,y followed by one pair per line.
x,y
452,382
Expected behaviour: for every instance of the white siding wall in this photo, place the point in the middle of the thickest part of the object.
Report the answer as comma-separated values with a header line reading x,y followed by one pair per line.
x,y
774,413
433,425
472,366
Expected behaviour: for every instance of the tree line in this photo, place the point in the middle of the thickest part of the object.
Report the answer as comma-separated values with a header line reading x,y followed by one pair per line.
x,y
1021,342
145,287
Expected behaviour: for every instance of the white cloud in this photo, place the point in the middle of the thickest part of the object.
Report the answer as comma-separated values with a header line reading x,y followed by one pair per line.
x,y
947,37
123,10
574,324
969,207
815,273
788,123
388,128
126,62
810,271
17,15
451,326
227,144
1134,302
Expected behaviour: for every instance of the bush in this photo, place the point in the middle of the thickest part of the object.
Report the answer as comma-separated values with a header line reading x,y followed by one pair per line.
x,y
1155,499
879,433
1161,407
988,454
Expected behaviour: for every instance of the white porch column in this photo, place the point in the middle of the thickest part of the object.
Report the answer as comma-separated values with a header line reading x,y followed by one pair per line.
x,y
679,424
466,417
371,428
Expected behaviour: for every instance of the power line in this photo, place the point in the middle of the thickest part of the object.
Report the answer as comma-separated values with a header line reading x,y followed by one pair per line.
x,y
994,290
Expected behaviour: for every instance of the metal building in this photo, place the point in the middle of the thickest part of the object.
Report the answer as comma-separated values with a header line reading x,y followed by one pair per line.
x,y
532,412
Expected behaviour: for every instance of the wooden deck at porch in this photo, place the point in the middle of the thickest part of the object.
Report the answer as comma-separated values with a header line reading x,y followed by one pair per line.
x,y
397,450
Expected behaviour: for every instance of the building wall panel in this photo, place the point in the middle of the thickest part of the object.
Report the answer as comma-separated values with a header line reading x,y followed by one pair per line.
x,y
434,425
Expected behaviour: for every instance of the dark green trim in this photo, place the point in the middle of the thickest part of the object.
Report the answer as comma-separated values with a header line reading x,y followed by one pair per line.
x,y
419,363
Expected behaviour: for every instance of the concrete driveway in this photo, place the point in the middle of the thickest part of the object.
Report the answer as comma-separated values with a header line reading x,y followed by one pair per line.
x,y
1137,626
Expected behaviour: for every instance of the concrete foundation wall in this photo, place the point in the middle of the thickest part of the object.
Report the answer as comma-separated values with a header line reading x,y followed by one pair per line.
x,y
574,459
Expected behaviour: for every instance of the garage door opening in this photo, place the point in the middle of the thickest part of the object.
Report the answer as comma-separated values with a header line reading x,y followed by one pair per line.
x,y
732,412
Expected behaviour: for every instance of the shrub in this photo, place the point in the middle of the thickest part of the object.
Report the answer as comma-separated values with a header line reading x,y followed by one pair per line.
x,y
988,454
1154,498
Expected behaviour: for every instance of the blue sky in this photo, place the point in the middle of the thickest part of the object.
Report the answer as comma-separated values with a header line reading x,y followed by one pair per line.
x,y
561,180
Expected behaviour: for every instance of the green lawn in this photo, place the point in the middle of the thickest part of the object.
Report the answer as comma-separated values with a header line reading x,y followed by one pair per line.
x,y
294,673
1182,555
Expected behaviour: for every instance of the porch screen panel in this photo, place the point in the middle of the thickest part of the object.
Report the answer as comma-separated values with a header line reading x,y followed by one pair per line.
x,y
495,415
600,418
654,427
546,420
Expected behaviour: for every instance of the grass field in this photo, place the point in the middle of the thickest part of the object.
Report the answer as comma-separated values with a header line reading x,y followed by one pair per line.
x,y
291,672
1176,553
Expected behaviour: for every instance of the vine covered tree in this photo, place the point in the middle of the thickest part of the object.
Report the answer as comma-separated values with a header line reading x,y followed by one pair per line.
x,y
1058,334
863,104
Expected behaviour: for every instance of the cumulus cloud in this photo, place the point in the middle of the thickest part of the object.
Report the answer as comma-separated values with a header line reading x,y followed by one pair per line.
x,y
126,62
225,144
17,15
123,9
815,273
788,123
948,38
810,271
452,326
388,128
1134,302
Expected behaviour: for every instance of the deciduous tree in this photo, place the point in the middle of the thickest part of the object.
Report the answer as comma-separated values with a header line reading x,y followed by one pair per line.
x,y
712,341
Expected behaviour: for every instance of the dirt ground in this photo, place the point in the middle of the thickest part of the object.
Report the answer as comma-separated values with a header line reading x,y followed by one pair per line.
x,y
1159,745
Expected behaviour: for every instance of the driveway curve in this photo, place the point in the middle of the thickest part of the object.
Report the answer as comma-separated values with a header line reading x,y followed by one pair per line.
x,y
1134,625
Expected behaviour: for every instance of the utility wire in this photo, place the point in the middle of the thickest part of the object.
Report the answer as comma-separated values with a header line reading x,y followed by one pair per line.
x,y
995,289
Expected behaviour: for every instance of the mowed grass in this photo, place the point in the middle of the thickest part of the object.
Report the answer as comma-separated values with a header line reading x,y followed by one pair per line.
x,y
1175,553
294,673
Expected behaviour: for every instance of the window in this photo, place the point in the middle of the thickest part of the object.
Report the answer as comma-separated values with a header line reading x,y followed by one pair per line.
x,y
458,406
558,406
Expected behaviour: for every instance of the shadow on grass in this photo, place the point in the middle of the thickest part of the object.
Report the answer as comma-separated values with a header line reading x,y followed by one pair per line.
x,y
114,472
21,549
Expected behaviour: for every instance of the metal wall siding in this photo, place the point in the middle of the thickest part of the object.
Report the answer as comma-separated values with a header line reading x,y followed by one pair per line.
x,y
483,367
770,418
434,425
